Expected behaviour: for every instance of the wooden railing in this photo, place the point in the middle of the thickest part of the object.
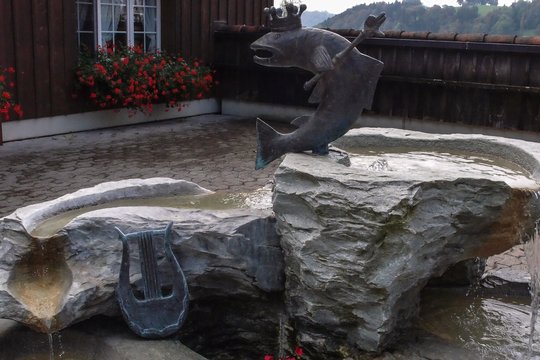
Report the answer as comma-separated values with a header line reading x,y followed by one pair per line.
x,y
473,79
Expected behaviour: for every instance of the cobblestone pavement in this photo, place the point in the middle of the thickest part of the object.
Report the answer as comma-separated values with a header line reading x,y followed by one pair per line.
x,y
214,151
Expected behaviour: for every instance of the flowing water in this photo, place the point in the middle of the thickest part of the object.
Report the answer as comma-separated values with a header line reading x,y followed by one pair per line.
x,y
51,346
532,252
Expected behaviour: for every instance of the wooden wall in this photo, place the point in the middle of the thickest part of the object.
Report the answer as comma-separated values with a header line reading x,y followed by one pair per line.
x,y
39,39
190,30
477,80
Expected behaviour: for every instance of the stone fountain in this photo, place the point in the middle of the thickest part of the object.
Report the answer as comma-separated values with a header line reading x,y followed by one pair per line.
x,y
335,262
356,243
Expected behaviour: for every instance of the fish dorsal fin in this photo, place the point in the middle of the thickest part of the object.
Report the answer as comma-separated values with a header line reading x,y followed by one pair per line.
x,y
317,93
301,120
321,59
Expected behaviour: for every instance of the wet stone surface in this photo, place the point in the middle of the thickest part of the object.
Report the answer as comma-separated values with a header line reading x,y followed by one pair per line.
x,y
215,151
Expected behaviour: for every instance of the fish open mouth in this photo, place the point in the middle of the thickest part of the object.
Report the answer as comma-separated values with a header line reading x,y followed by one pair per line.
x,y
263,54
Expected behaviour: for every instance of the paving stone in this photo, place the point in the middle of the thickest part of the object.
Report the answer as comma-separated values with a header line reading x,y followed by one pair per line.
x,y
206,149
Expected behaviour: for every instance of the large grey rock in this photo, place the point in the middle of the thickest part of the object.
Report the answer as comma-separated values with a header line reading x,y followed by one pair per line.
x,y
53,282
360,242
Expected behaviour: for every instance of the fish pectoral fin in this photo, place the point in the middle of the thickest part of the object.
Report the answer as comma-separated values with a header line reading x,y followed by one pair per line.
x,y
301,120
317,93
322,59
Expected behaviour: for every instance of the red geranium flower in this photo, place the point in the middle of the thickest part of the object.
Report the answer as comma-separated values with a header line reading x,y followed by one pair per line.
x,y
7,105
137,80
18,110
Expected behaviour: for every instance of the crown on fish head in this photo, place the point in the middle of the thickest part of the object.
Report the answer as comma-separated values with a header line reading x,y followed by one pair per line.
x,y
292,20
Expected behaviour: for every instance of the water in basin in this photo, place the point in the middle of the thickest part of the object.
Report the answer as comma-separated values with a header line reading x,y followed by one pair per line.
x,y
260,199
491,327
398,161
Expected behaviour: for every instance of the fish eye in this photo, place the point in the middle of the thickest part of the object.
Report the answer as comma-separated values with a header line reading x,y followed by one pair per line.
x,y
277,36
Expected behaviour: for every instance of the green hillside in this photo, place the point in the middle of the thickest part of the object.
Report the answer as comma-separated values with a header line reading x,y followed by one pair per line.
x,y
521,18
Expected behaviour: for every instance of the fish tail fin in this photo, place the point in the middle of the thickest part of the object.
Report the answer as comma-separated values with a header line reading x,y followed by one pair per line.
x,y
266,150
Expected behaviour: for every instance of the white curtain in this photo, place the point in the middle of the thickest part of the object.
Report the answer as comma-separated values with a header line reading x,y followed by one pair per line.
x,y
107,18
110,17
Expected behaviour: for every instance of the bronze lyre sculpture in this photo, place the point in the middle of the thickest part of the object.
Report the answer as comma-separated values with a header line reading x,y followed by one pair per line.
x,y
157,313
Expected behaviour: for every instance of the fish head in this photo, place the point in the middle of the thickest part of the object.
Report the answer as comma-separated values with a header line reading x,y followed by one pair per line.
x,y
277,48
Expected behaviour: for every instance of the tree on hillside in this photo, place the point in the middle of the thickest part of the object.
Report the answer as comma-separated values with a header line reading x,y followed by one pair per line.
x,y
478,2
521,18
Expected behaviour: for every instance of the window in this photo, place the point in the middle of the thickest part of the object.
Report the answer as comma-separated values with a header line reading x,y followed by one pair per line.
x,y
118,23
85,25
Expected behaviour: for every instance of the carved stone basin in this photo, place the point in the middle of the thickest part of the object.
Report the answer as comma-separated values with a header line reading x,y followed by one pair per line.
x,y
60,260
361,242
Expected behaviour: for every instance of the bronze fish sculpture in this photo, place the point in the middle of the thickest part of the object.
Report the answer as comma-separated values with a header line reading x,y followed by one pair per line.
x,y
344,82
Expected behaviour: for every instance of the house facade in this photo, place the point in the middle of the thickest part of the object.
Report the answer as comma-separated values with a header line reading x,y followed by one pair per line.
x,y
41,39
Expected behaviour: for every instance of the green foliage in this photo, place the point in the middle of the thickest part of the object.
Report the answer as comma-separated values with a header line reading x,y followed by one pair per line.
x,y
521,18
477,2
483,10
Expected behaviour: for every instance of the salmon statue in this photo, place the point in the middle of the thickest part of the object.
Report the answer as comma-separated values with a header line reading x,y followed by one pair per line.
x,y
343,85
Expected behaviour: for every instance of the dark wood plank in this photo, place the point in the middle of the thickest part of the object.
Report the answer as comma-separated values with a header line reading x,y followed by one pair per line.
x,y
259,16
429,103
452,60
214,16
223,10
7,55
249,18
502,69
196,46
531,112
59,98
71,50
41,57
520,69
434,64
178,26
240,12
486,63
168,26
24,56
513,114
214,10
206,26
443,105
468,67
186,28
231,12
417,64
403,66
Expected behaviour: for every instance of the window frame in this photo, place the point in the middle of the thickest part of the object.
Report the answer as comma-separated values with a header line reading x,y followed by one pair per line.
x,y
130,31
78,19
